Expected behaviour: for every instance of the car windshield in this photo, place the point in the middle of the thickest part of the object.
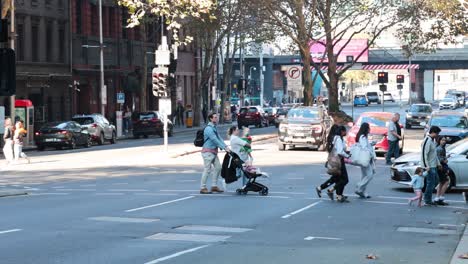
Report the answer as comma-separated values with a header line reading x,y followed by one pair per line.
x,y
243,110
458,147
147,116
374,121
57,125
447,100
359,96
371,94
282,112
252,110
84,120
449,121
421,109
303,113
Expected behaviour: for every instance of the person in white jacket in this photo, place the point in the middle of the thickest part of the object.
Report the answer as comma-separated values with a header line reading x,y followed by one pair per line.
x,y
367,173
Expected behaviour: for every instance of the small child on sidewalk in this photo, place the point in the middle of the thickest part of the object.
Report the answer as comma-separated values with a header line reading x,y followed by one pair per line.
x,y
417,182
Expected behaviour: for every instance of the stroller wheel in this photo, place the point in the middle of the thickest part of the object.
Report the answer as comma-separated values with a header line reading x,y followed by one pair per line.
x,y
264,192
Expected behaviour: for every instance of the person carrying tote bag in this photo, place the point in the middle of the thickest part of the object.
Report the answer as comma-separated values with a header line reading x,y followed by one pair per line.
x,y
366,161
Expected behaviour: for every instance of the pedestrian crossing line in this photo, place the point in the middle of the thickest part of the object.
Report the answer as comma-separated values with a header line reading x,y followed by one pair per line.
x,y
157,194
113,193
128,190
382,202
159,204
10,231
123,219
326,238
423,230
188,237
179,190
219,229
49,193
300,210
78,190
406,198
176,255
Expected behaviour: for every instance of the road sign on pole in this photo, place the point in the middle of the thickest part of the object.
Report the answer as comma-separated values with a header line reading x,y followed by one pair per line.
x,y
120,98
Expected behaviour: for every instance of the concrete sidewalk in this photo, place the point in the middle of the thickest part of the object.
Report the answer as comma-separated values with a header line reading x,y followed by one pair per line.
x,y
462,249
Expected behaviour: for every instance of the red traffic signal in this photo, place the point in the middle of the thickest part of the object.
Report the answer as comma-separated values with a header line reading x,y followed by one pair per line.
x,y
382,77
400,78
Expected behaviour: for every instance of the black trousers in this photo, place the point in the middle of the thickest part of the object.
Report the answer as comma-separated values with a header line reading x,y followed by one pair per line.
x,y
342,180
328,183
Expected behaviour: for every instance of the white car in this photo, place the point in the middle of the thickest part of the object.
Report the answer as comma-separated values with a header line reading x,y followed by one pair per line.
x,y
387,97
448,103
457,155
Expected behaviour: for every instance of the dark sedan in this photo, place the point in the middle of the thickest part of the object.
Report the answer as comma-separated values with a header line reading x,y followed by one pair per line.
x,y
150,123
454,125
418,115
62,134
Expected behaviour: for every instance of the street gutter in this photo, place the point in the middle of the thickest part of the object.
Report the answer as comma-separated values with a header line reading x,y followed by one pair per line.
x,y
12,192
461,249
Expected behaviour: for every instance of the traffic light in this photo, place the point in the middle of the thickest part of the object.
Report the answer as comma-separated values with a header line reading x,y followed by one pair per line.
x,y
159,81
382,77
241,85
400,79
7,72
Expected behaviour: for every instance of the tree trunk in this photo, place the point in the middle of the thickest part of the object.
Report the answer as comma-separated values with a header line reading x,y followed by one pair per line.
x,y
144,72
307,76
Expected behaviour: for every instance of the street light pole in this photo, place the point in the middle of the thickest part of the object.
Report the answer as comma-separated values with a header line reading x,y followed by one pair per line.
x,y
101,51
250,77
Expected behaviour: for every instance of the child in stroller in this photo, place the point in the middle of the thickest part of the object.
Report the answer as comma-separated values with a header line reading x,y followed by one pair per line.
x,y
238,163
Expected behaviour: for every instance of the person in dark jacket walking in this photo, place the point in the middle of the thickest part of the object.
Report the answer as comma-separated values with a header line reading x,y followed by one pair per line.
x,y
430,162
332,179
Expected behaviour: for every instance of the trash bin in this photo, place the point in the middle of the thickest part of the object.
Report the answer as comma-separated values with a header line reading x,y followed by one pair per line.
x,y
189,118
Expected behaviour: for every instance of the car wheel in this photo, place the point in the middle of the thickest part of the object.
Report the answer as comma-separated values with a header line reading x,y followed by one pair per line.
x,y
72,143
113,139
281,147
101,139
40,147
136,136
452,180
277,125
378,102
170,133
367,105
145,136
89,142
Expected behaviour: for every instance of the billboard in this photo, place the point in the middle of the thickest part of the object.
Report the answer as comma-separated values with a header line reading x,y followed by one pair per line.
x,y
353,48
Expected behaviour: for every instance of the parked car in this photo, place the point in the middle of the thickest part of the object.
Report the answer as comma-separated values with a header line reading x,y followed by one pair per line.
x,y
457,155
418,115
98,127
378,122
62,134
460,96
150,123
280,116
387,97
305,126
373,97
360,100
448,103
253,115
454,125
270,114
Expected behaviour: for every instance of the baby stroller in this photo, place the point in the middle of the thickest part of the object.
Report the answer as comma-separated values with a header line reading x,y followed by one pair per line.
x,y
232,162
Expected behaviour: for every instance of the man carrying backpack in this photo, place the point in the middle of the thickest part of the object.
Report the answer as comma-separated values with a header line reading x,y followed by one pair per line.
x,y
209,153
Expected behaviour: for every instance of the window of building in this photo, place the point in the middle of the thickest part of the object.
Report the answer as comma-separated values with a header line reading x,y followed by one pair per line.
x,y
34,3
124,24
111,22
79,21
60,4
48,3
49,41
62,41
20,42
94,20
35,40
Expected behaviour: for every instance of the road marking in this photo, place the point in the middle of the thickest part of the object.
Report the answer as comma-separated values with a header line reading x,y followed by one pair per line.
x,y
78,190
187,180
448,225
50,193
213,195
120,183
123,219
288,193
381,202
176,255
179,190
406,198
157,194
433,231
114,193
188,237
326,238
295,178
88,185
58,187
159,204
128,190
10,231
213,229
300,210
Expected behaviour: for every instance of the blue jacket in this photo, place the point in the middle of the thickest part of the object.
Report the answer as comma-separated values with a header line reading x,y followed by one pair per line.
x,y
417,182
212,138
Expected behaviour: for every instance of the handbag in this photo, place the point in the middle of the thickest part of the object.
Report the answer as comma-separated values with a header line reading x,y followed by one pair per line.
x,y
333,164
360,156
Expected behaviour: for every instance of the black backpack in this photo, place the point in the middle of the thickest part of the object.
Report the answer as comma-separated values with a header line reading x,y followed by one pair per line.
x,y
200,138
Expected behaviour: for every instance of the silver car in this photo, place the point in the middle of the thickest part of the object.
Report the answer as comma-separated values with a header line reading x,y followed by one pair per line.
x,y
448,103
99,128
418,115
457,155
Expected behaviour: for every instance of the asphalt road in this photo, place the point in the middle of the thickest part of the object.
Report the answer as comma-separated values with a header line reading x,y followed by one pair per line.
x,y
131,203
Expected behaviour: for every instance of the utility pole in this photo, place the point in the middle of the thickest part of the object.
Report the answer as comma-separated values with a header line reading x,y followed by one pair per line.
x,y
101,51
261,76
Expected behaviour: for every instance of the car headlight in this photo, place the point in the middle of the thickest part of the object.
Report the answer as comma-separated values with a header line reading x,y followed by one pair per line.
x,y
414,163
283,128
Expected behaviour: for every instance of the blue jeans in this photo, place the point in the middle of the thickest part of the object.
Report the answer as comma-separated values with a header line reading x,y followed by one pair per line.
x,y
431,181
393,150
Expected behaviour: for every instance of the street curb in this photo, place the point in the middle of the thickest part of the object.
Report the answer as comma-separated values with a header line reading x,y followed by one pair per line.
x,y
462,248
254,139
9,193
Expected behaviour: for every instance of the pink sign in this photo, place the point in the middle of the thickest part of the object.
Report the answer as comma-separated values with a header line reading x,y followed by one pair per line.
x,y
353,48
